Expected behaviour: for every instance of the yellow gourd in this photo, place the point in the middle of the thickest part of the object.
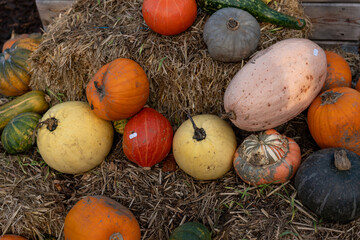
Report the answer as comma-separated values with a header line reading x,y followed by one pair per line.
x,y
204,147
72,139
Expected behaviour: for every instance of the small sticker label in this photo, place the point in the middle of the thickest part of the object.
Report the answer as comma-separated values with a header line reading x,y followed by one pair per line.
x,y
316,52
133,135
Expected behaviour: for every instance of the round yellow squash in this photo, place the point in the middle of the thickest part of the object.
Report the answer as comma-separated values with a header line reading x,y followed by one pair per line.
x,y
204,147
72,139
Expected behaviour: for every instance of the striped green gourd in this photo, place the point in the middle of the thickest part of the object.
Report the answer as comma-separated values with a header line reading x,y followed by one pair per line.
x,y
17,134
257,8
190,230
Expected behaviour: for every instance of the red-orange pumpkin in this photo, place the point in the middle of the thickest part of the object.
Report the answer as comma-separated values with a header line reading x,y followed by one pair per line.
x,y
13,39
338,72
11,237
267,158
334,119
169,17
147,138
118,90
357,86
100,217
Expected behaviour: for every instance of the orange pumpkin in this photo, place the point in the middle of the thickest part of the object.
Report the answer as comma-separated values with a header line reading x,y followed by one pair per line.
x,y
267,158
118,90
169,17
11,237
100,217
338,72
13,39
14,67
357,86
334,119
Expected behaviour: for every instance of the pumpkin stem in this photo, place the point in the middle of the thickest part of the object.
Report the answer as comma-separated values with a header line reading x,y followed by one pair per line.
x,y
116,236
199,133
330,97
100,89
51,123
230,115
232,24
341,161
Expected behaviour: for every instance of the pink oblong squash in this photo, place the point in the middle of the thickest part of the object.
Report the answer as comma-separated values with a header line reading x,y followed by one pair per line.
x,y
276,85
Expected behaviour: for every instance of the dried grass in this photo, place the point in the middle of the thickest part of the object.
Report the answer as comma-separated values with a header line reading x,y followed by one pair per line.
x,y
181,73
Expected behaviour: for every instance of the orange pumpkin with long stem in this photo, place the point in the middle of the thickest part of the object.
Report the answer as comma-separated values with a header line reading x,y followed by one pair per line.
x,y
334,119
267,158
118,90
100,217
169,17
338,72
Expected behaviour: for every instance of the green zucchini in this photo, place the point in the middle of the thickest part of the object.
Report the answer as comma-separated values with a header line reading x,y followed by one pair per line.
x,y
257,8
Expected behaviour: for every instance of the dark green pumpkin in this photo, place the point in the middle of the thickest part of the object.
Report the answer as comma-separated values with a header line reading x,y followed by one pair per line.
x,y
17,134
328,183
190,231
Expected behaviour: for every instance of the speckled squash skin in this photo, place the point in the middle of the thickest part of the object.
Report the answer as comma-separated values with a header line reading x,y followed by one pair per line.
x,y
209,158
268,157
100,218
257,8
77,141
331,193
276,85
231,35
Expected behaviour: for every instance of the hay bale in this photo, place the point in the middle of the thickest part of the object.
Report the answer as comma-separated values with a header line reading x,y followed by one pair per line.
x,y
182,75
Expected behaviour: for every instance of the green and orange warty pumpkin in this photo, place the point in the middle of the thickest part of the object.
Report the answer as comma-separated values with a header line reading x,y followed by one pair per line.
x,y
17,136
118,90
100,217
334,119
169,17
267,158
328,183
338,72
14,66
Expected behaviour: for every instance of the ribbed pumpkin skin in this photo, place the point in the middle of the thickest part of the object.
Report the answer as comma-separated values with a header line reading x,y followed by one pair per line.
x,y
231,35
99,217
338,72
169,17
190,231
267,158
17,134
12,237
336,123
332,194
12,40
14,68
147,138
33,101
118,90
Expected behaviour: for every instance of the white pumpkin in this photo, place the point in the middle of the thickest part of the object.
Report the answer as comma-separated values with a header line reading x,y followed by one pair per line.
x,y
72,139
207,152
276,85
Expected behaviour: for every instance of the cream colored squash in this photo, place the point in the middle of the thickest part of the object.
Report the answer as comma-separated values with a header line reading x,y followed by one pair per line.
x,y
72,139
207,152
276,85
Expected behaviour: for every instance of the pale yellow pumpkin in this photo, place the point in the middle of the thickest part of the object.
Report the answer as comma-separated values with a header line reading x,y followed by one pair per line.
x,y
72,139
205,149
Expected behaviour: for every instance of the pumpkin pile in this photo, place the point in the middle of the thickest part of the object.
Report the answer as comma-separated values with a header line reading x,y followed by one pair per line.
x,y
74,137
